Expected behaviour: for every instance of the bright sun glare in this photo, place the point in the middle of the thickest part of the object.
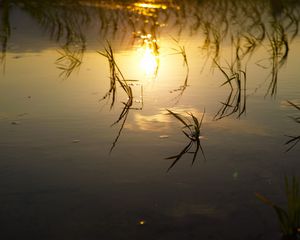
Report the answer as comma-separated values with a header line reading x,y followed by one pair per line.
x,y
148,62
149,56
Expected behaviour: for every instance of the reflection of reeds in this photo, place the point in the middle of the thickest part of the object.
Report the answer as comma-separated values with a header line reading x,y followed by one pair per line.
x,y
63,20
66,20
293,139
123,116
279,52
70,60
192,130
116,77
5,30
289,219
181,51
236,78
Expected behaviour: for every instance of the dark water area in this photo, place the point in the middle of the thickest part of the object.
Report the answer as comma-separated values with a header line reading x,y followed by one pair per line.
x,y
156,119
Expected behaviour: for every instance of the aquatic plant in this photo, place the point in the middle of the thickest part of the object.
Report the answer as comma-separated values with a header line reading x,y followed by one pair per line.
x,y
192,130
289,217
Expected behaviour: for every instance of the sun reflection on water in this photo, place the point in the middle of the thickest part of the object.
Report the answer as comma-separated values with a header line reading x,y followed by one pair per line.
x,y
147,8
149,53
150,5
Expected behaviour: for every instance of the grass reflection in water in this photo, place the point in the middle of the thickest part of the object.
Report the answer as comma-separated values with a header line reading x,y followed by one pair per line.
x,y
192,130
116,77
293,139
244,26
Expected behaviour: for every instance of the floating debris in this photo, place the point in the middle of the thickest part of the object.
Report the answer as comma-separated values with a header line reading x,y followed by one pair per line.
x,y
76,141
15,123
163,136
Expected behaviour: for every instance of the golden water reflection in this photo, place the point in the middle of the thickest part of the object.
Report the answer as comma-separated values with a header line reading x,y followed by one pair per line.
x,y
147,8
159,122
150,5
149,52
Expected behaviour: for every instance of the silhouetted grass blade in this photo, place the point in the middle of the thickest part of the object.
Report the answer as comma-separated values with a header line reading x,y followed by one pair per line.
x,y
177,157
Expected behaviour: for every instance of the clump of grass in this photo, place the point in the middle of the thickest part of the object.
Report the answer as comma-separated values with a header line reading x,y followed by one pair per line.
x,y
289,218
192,130
293,139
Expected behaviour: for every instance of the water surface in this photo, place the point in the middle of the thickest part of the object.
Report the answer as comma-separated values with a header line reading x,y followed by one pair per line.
x,y
77,166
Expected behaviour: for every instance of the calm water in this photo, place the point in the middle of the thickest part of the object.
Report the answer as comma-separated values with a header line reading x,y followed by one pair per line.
x,y
77,166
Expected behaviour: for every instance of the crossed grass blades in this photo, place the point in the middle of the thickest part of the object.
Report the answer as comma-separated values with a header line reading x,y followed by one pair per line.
x,y
116,77
70,60
293,139
192,130
289,218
